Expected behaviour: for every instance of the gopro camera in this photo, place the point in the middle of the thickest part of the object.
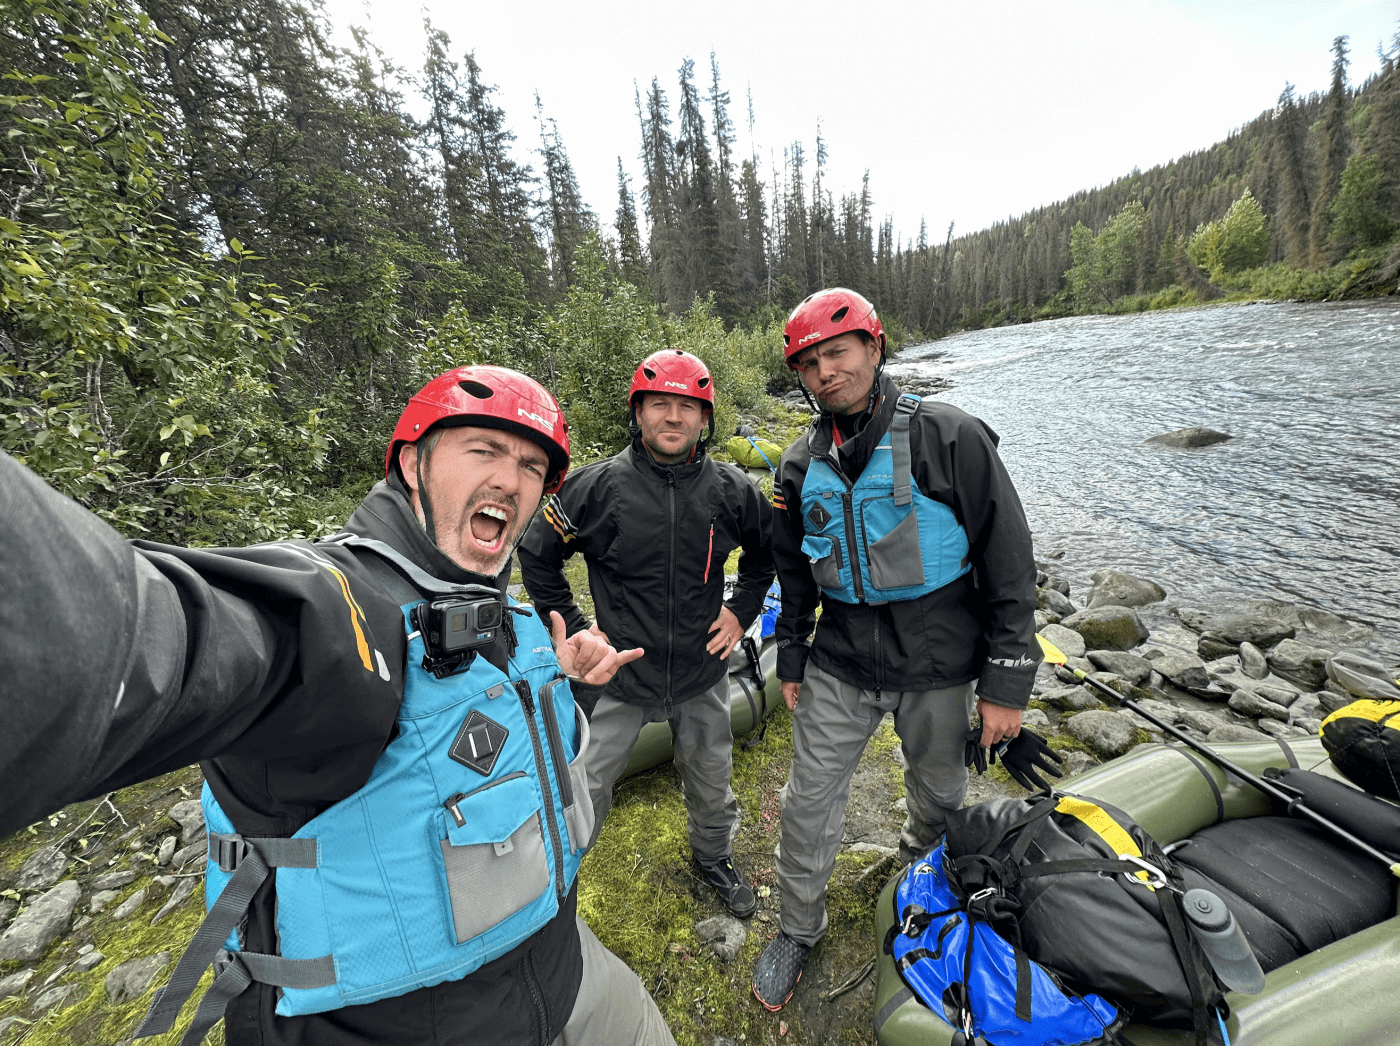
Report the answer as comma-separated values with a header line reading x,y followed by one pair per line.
x,y
453,629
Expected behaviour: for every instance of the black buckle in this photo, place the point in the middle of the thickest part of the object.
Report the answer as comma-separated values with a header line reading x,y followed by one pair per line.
x,y
228,851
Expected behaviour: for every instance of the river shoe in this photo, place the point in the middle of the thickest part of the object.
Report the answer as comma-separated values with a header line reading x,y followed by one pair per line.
x,y
778,971
733,889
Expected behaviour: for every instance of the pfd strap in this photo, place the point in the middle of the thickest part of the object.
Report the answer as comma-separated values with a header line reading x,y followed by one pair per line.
x,y
240,970
229,850
421,579
900,460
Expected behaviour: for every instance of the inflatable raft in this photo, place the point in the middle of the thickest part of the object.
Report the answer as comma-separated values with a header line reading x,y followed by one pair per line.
x,y
1342,994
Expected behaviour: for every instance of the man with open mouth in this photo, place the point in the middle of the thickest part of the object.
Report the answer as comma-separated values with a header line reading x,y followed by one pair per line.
x,y
395,795
656,524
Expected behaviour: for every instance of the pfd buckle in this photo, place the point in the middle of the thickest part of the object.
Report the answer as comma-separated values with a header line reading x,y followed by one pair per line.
x,y
986,892
228,851
1156,878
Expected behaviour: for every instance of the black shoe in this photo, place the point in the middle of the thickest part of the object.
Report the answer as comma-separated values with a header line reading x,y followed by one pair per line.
x,y
734,890
778,971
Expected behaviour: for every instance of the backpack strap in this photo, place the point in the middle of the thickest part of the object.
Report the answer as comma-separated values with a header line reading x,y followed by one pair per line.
x,y
900,459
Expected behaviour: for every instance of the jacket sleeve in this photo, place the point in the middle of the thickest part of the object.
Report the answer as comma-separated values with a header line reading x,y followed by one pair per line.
x,y
551,539
120,662
960,450
756,557
800,594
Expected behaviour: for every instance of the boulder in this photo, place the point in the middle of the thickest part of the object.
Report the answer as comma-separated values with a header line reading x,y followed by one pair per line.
x,y
1071,698
131,979
1234,732
1104,731
1184,669
1192,437
1279,695
44,868
189,815
1113,588
1076,762
1108,628
57,998
1254,705
14,983
36,926
1055,602
1204,722
1134,669
1042,619
1068,640
177,897
88,961
1363,677
1257,628
7,909
724,934
1301,664
1253,663
1166,711
1327,627
1329,701
101,898
1306,707
1313,727
1274,728
184,856
1065,672
1036,719
1212,646
1059,584
165,851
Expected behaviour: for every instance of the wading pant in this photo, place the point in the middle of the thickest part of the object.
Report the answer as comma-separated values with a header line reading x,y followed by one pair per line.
x,y
830,727
613,1009
704,753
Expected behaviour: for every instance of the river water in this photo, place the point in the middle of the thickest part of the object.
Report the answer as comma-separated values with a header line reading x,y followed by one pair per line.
x,y
1302,505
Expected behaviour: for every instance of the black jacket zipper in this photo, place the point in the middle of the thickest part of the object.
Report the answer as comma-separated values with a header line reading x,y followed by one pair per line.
x,y
528,703
532,981
670,582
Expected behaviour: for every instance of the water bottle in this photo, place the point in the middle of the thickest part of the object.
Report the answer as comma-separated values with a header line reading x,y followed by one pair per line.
x,y
1223,941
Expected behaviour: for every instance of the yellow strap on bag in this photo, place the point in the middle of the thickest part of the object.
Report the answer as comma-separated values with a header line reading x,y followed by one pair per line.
x,y
1107,829
1373,711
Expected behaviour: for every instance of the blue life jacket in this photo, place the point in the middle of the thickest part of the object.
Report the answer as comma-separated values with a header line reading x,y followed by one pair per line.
x,y
463,842
978,982
880,539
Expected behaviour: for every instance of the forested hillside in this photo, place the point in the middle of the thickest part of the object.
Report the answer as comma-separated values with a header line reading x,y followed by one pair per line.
x,y
229,250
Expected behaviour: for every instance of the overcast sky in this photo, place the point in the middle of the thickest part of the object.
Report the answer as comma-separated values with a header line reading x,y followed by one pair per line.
x,y
962,112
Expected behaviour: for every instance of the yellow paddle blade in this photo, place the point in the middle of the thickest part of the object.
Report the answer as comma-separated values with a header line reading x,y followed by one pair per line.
x,y
1053,654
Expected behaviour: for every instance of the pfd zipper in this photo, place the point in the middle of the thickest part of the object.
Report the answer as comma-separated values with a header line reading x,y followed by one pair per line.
x,y
556,744
527,702
451,803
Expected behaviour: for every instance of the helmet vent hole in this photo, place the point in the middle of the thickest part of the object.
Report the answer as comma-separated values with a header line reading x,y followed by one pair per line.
x,y
787,339
703,382
477,389
651,374
840,314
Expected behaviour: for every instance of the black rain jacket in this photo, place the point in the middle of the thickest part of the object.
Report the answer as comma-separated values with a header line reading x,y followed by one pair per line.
x,y
123,660
981,626
655,538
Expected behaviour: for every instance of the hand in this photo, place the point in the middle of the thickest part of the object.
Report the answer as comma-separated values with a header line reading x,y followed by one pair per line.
x,y
600,633
1023,755
727,632
998,723
585,657
791,692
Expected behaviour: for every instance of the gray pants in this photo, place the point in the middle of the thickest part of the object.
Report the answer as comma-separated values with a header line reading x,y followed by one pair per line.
x,y
704,753
830,728
613,1009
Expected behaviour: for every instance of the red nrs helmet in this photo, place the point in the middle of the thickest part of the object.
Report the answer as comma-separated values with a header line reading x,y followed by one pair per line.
x,y
493,398
825,315
674,371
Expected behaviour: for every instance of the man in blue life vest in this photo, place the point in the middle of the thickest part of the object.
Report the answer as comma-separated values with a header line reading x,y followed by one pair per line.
x,y
656,524
395,794
898,517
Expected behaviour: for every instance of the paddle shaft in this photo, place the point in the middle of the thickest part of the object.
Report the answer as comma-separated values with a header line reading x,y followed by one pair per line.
x,y
1292,803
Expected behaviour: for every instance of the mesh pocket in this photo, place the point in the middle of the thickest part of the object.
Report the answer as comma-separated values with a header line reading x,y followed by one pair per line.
x,y
895,559
487,882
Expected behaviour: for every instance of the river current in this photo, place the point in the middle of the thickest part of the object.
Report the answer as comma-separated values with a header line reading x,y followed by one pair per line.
x,y
1302,505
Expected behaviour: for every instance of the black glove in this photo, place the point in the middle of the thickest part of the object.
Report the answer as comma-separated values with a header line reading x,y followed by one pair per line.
x,y
974,755
1023,755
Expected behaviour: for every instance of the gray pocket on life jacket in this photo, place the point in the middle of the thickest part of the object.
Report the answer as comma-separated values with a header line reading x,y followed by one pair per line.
x,y
493,870
825,554
578,818
895,559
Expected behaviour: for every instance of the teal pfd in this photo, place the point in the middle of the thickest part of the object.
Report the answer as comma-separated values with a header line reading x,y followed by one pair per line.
x,y
880,539
463,842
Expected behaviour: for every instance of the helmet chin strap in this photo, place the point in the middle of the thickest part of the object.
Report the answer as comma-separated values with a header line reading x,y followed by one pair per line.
x,y
423,499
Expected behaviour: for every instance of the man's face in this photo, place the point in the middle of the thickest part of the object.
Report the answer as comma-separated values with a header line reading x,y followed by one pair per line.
x,y
484,486
670,425
840,371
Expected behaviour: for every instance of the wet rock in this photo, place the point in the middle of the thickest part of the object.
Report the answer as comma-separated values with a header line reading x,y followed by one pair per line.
x,y
57,998
1054,602
1330,701
177,898
89,961
114,880
1329,628
1258,629
1113,588
1198,720
1274,728
1363,677
1184,669
1251,703
1312,726
101,899
131,979
1306,707
1065,672
1035,719
1108,628
1068,640
1234,732
1301,664
166,850
44,868
1279,695
189,815
1252,661
1212,646
1071,698
1166,711
36,926
724,934
1042,619
1134,669
128,907
1059,584
1076,761
1191,437
1104,731
14,983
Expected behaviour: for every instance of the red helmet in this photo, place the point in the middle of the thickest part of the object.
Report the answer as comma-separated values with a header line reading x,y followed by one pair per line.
x,y
674,371
493,398
825,315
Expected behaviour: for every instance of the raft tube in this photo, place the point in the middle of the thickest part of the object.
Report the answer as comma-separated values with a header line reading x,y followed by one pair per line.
x,y
1340,995
748,706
